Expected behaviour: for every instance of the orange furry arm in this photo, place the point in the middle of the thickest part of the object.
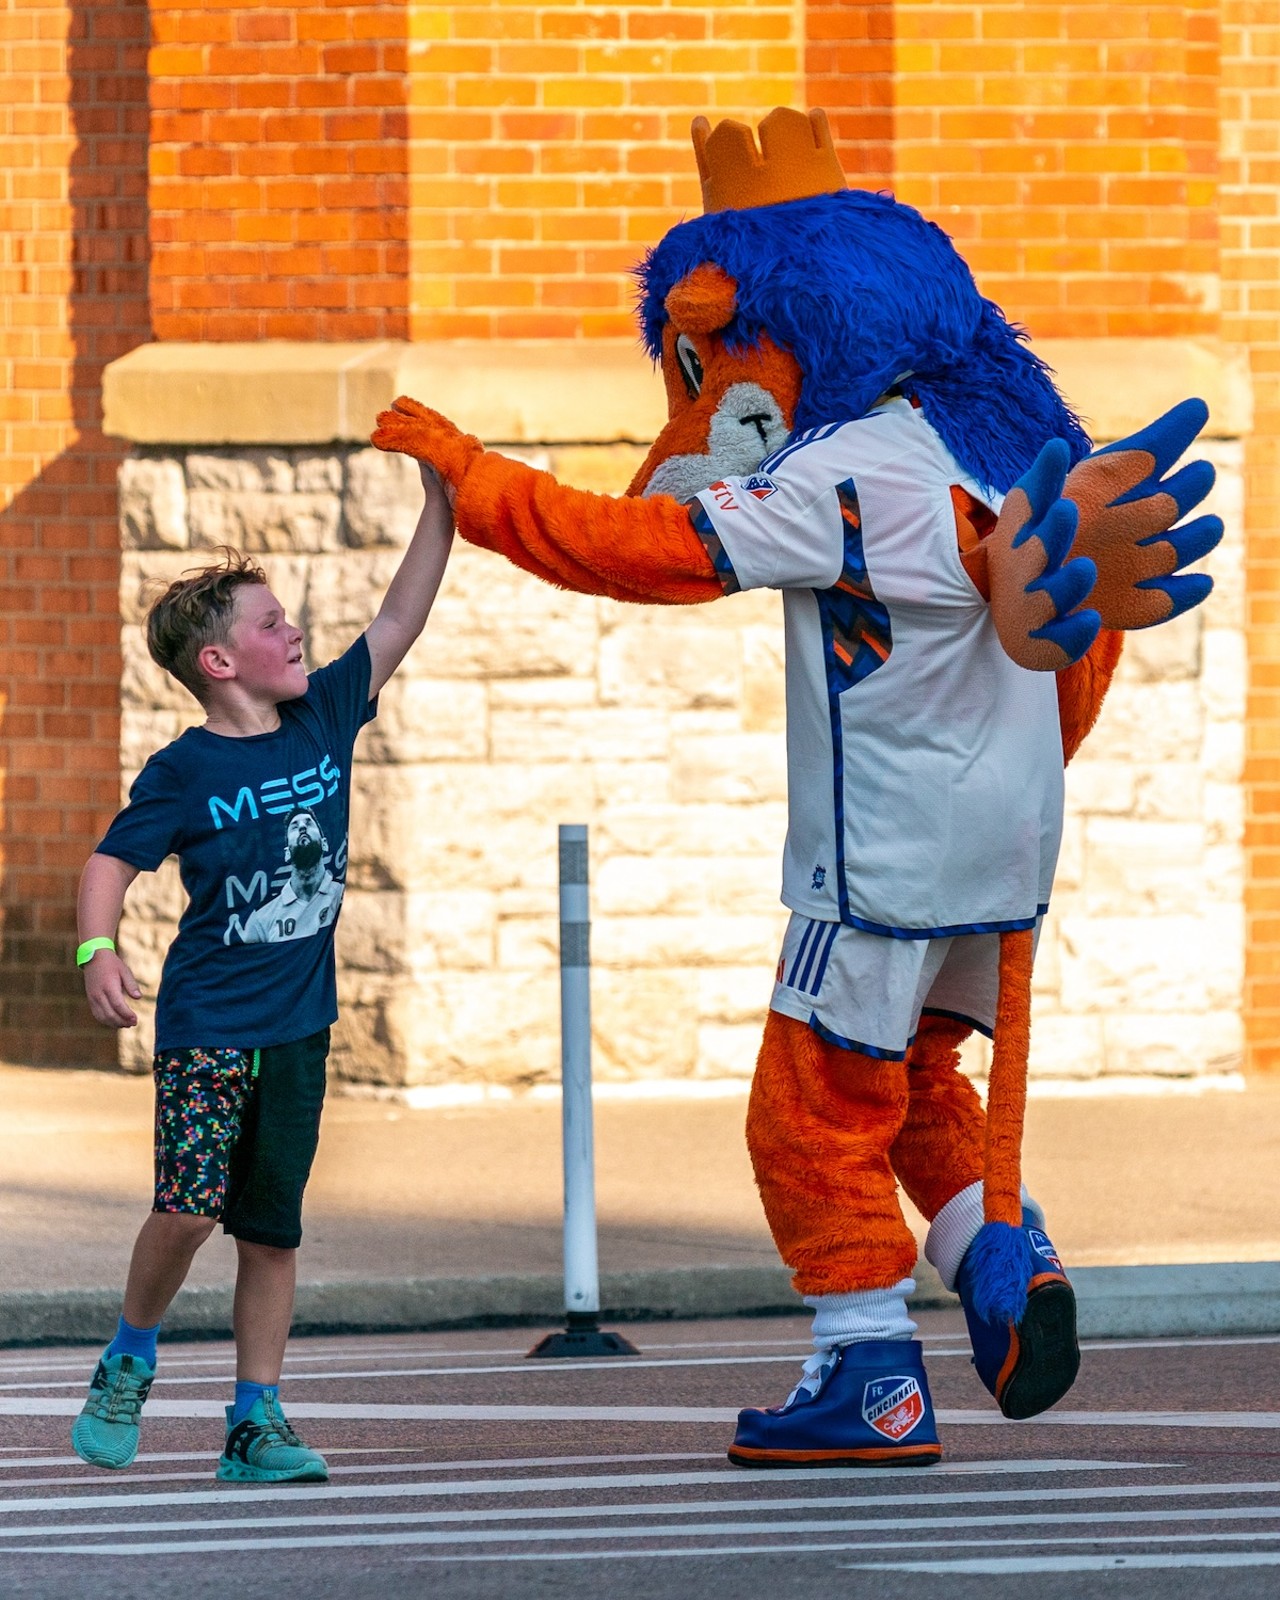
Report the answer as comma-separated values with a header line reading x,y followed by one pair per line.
x,y
626,548
1082,688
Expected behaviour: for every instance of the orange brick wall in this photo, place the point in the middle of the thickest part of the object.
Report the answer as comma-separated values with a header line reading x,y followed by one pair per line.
x,y
357,171
848,63
1072,151
1251,305
551,146
279,171
73,247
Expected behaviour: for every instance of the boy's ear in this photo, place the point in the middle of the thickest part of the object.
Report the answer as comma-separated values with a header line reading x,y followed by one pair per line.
x,y
216,665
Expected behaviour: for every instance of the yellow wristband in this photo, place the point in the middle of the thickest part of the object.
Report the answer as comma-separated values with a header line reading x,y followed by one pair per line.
x,y
90,947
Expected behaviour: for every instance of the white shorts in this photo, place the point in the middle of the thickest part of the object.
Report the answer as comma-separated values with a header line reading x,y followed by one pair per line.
x,y
863,991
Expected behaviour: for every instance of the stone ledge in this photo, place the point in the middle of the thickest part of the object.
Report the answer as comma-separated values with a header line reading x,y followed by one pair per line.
x,y
562,391
1215,1299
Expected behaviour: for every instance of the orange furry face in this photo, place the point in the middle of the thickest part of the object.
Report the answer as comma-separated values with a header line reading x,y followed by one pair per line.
x,y
728,410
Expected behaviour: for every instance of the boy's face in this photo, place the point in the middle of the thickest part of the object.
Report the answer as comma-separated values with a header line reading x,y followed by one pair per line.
x,y
265,646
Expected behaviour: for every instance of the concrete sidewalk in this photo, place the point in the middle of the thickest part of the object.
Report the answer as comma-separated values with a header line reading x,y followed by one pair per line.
x,y
418,1217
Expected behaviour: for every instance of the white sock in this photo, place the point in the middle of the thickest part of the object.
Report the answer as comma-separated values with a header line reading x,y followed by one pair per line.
x,y
955,1228
860,1315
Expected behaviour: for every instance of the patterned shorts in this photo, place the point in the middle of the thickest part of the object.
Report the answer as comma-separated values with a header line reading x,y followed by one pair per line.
x,y
236,1133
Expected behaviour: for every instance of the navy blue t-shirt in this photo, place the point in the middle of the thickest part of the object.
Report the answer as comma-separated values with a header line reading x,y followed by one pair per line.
x,y
259,826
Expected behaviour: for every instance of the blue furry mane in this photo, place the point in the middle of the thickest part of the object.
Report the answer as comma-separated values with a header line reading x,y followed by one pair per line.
x,y
862,290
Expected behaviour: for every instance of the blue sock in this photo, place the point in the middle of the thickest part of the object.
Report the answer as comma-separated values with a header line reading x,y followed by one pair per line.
x,y
246,1394
131,1341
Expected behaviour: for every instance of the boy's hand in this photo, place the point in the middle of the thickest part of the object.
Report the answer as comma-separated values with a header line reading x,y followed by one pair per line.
x,y
415,430
106,983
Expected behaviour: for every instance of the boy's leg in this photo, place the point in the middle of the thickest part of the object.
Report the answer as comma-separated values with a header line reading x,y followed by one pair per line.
x,y
162,1257
264,1214
200,1097
265,1282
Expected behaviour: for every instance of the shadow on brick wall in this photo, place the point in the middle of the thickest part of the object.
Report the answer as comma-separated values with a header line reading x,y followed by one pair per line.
x,y
73,311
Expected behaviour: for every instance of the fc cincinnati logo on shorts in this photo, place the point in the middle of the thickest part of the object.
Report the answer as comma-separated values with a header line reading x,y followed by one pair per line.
x,y
1043,1247
893,1406
759,486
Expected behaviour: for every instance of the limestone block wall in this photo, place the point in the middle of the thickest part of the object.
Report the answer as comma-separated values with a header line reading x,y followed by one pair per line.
x,y
523,707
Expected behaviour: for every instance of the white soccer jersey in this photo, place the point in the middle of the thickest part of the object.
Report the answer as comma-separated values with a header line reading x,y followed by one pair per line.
x,y
289,916
924,767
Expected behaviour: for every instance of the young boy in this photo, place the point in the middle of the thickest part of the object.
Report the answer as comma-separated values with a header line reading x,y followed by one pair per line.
x,y
254,804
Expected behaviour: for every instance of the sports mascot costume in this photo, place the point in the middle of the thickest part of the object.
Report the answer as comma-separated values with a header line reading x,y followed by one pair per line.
x,y
853,424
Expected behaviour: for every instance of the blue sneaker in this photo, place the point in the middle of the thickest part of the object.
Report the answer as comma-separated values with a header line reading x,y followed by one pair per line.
x,y
861,1405
1028,1366
263,1448
106,1432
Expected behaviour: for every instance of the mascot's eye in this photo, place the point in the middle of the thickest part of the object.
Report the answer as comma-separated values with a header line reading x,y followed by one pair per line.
x,y
690,365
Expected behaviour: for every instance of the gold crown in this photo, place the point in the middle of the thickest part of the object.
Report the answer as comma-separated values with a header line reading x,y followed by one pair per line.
x,y
796,159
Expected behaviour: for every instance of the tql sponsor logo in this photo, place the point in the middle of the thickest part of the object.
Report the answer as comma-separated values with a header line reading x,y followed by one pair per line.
x,y
1043,1247
893,1406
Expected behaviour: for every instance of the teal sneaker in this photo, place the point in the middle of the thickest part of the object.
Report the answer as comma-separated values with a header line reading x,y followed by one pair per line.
x,y
105,1434
263,1448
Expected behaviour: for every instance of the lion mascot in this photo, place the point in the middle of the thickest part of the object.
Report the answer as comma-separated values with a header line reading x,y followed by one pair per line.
x,y
853,424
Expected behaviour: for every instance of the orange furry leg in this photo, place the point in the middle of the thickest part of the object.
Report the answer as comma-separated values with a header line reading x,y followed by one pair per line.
x,y
939,1151
820,1124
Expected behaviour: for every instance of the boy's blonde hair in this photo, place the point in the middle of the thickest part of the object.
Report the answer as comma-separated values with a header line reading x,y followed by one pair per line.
x,y
196,610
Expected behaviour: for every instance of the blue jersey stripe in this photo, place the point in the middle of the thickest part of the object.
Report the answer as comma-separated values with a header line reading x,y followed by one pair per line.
x,y
841,1043
818,930
813,436
826,956
1015,925
795,965
958,1016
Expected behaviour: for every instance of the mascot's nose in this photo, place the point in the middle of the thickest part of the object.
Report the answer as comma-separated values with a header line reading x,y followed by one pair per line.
x,y
758,420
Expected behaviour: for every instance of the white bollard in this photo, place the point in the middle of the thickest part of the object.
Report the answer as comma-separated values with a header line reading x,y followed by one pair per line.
x,y
581,1267
583,1335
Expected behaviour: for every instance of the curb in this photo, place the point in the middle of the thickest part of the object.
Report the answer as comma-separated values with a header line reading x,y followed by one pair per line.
x,y
1224,1299
420,1305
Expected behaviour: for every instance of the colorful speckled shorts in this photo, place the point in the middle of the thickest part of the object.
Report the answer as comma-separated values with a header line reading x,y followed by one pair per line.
x,y
236,1133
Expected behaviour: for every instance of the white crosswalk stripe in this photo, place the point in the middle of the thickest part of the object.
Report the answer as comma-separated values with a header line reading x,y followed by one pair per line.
x,y
620,1506
1038,1514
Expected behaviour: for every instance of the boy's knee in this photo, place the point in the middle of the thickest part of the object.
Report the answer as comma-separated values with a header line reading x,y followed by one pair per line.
x,y
270,1253
185,1228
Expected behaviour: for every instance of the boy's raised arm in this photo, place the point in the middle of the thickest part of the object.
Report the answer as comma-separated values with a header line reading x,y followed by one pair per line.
x,y
411,593
107,980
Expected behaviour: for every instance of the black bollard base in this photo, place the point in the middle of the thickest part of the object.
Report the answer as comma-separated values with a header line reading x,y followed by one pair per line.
x,y
582,1336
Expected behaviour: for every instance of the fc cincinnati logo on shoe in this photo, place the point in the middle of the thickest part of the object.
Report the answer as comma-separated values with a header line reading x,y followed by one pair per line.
x,y
759,486
893,1406
1043,1246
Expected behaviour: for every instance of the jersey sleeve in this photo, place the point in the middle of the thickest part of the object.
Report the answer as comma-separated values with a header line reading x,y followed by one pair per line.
x,y
146,831
340,691
771,530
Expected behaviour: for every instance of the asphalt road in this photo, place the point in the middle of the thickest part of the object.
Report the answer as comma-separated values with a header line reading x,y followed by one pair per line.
x,y
461,1470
